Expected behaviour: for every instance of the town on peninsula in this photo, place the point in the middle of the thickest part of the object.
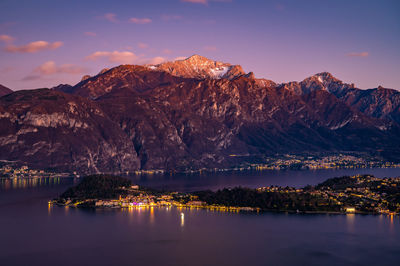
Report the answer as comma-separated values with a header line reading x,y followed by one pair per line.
x,y
364,194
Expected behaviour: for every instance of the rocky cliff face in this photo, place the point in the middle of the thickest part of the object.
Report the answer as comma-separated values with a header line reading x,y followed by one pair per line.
x,y
200,67
180,116
49,129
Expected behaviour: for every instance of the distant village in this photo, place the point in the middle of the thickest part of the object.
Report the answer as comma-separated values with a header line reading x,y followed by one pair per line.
x,y
278,162
312,162
12,171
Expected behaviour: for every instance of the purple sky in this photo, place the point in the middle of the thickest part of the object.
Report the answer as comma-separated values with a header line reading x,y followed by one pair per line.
x,y
46,42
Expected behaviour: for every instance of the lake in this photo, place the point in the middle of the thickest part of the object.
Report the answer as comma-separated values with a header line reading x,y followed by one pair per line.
x,y
34,233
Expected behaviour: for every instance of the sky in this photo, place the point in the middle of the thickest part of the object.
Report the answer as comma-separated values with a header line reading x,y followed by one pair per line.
x,y
44,43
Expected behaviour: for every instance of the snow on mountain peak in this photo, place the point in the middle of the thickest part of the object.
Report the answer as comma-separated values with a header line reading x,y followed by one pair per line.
x,y
200,67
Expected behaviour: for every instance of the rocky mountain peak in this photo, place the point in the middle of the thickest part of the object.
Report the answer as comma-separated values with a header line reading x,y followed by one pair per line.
x,y
200,67
198,60
85,77
326,77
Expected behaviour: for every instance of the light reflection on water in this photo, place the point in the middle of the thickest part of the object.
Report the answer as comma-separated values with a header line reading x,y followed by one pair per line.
x,y
389,224
34,182
54,235
350,219
213,181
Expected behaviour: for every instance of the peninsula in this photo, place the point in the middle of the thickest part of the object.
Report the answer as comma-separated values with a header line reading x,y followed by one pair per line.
x,y
348,194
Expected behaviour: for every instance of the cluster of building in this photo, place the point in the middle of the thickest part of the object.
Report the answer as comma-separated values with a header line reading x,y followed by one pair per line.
x,y
322,162
20,172
13,171
356,194
365,194
140,199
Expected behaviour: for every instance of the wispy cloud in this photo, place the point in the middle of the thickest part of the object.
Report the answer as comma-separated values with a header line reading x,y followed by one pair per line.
x,y
33,47
31,78
110,17
50,68
140,20
6,38
143,45
203,2
122,57
154,61
180,58
361,54
90,33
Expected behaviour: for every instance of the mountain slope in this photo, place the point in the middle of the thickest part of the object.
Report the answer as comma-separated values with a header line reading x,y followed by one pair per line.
x,y
129,77
379,102
49,129
4,90
177,119
202,122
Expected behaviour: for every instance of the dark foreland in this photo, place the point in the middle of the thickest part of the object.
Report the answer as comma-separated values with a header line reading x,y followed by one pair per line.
x,y
193,114
347,194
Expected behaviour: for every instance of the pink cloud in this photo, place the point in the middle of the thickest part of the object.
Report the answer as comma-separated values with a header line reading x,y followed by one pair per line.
x,y
180,58
33,47
204,2
140,20
361,54
91,34
111,17
155,60
122,57
6,38
50,68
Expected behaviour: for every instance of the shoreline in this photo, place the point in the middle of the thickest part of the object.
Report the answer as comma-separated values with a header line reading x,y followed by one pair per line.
x,y
361,194
195,172
231,209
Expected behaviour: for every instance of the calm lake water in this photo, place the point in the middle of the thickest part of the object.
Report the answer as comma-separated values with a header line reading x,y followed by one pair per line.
x,y
32,233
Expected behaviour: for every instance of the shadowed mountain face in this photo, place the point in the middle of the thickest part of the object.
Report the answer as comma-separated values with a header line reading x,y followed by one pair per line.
x,y
50,129
4,90
181,115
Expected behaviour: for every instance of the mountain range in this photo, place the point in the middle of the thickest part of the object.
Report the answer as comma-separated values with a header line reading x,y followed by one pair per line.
x,y
191,114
